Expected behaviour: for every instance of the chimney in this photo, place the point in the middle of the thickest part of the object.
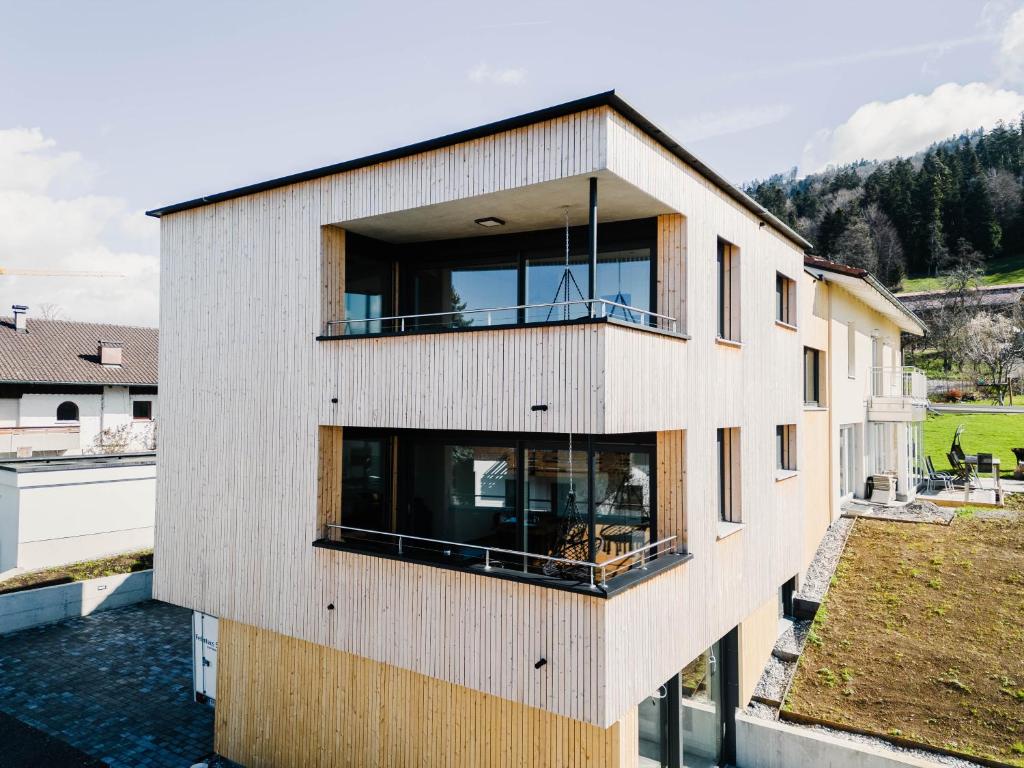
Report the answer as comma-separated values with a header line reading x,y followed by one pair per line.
x,y
110,352
20,317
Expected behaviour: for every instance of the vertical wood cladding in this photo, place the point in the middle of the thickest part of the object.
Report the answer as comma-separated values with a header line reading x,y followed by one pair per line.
x,y
287,702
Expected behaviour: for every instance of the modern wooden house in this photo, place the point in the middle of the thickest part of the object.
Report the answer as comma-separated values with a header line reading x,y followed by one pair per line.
x,y
486,450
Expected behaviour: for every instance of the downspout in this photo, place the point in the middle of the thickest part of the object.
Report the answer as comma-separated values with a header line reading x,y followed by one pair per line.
x,y
592,244
831,398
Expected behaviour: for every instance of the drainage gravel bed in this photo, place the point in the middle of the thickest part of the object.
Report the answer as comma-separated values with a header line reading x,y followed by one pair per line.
x,y
826,558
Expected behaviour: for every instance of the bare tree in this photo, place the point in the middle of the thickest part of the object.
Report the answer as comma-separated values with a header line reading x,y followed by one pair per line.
x,y
995,345
854,246
125,439
51,311
1004,190
885,240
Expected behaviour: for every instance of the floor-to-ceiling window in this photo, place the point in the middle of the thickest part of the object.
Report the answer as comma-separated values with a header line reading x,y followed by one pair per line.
x,y
368,285
847,459
499,272
524,493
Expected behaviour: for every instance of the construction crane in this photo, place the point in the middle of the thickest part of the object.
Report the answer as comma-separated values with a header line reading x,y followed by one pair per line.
x,y
54,273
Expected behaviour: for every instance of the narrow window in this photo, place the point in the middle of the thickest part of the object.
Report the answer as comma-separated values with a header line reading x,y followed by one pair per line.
x,y
728,291
728,475
67,411
785,299
812,376
785,447
851,351
142,410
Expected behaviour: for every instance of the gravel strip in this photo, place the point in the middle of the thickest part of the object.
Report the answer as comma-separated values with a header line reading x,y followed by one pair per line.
x,y
763,711
915,512
775,679
820,571
791,642
873,741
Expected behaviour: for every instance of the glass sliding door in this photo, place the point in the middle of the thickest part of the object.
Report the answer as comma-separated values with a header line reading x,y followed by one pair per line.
x,y
557,503
368,286
548,283
365,483
623,503
459,287
652,730
462,493
624,277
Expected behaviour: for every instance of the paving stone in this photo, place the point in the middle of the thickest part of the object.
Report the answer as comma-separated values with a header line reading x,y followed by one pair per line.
x,y
115,685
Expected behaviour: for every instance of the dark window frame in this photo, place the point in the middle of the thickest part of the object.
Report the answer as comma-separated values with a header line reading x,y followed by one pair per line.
x,y
728,448
785,299
148,415
813,376
785,447
66,407
728,306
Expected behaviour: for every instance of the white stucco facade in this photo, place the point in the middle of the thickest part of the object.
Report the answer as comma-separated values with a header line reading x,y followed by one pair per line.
x,y
54,512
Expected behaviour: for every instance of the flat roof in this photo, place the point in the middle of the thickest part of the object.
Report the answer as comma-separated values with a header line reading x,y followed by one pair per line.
x,y
89,461
605,99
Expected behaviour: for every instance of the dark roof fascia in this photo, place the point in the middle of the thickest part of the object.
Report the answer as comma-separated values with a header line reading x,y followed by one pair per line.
x,y
605,99
44,382
862,274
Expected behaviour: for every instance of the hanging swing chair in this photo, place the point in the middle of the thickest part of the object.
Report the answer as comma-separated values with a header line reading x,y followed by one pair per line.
x,y
572,539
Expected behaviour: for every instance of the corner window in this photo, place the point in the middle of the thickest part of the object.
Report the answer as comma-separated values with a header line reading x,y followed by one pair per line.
x,y
785,447
729,508
785,299
812,376
142,410
67,411
728,291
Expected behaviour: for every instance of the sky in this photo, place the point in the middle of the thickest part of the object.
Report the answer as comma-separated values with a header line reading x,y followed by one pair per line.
x,y
109,108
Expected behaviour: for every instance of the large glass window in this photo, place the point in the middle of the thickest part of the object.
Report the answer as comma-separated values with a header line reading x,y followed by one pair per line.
x,y
458,289
622,500
557,504
367,290
364,483
623,277
463,493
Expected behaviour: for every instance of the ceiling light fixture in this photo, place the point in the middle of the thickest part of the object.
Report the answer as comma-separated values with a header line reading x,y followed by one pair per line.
x,y
490,221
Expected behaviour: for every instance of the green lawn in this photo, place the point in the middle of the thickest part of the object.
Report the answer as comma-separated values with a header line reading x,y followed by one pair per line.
x,y
994,433
1008,269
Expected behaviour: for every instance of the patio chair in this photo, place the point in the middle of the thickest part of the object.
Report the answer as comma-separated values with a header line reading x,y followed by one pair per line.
x,y
935,479
963,473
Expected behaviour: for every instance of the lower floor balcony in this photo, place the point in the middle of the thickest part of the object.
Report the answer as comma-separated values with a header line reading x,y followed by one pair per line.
x,y
577,513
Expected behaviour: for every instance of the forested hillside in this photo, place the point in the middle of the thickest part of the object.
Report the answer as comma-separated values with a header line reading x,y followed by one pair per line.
x,y
958,203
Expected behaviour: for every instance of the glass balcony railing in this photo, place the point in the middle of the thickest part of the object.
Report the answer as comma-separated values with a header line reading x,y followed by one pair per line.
x,y
520,314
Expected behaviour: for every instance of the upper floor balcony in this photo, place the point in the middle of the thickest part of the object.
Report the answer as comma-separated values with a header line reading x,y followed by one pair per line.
x,y
516,332
897,394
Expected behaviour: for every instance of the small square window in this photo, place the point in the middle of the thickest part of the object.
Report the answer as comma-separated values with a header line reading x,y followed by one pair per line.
x,y
785,447
785,299
142,410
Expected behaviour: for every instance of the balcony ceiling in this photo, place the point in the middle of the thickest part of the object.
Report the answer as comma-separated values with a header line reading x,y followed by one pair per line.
x,y
538,206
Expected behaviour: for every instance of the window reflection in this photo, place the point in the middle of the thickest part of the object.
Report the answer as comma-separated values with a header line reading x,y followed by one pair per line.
x,y
459,289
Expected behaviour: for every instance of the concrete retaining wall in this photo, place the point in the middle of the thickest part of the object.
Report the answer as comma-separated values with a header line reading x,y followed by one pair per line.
x,y
21,610
772,744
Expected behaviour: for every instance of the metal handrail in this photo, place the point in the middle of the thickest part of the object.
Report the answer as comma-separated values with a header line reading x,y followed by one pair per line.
x,y
646,553
898,381
590,303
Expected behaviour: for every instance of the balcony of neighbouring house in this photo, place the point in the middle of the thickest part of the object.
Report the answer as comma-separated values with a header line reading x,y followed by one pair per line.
x,y
897,394
46,440
577,514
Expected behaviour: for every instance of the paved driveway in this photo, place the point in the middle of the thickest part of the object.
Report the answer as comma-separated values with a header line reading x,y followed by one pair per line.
x,y
116,685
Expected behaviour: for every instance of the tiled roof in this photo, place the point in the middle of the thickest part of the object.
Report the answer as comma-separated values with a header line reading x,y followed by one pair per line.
x,y
58,351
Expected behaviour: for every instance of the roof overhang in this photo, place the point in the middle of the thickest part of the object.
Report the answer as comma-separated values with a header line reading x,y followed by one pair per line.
x,y
606,99
866,288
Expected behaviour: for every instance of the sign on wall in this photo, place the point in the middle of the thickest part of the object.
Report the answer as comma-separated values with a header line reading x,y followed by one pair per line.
x,y
204,657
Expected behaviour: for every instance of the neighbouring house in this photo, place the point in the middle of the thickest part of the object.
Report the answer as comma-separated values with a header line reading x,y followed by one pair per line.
x,y
68,388
864,410
55,511
490,450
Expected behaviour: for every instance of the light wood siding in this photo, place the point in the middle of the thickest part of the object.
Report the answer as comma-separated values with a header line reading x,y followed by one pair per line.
x,y
546,151
595,378
671,484
245,388
671,291
286,702
332,275
328,481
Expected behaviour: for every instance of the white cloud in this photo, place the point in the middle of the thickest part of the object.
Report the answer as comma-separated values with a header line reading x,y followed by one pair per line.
x,y
483,73
725,122
881,130
45,226
1010,56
